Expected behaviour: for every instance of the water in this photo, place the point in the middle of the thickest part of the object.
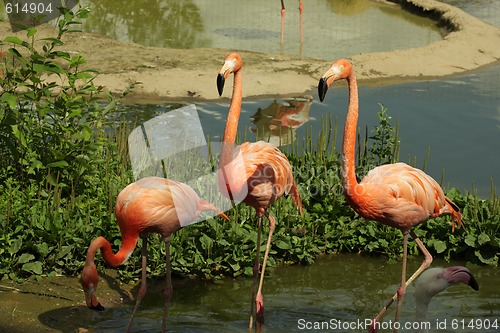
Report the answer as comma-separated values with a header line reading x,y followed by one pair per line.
x,y
331,27
344,288
486,10
457,118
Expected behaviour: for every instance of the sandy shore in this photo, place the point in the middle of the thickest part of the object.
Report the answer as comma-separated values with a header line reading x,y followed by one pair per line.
x,y
190,73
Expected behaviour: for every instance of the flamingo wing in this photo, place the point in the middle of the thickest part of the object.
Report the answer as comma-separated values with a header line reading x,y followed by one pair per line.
x,y
258,175
156,204
401,196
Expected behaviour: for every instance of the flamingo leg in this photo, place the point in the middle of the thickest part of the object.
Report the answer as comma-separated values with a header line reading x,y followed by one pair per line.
x,y
256,267
426,263
144,288
402,288
282,22
168,287
301,9
259,301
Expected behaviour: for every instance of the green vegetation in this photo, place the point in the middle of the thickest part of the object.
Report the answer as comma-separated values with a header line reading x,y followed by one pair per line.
x,y
60,172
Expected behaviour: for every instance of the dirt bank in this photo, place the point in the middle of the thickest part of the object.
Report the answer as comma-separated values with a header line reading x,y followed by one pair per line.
x,y
189,73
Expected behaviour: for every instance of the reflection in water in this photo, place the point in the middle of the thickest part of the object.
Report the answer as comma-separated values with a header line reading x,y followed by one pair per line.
x,y
338,288
357,26
348,7
278,122
164,23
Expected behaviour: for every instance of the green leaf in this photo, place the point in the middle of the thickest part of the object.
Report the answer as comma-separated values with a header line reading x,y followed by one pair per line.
x,y
33,267
65,250
10,99
42,248
15,40
31,32
58,164
18,134
470,240
483,238
25,257
488,259
15,246
235,267
206,242
283,245
439,246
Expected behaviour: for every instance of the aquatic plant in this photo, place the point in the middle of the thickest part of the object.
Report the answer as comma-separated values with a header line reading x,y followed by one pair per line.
x,y
60,173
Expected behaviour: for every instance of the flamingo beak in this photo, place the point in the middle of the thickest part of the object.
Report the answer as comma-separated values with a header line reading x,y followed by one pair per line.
x,y
224,216
322,88
221,79
97,307
459,274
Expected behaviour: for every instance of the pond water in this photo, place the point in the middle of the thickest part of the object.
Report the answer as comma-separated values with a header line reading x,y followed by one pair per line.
x,y
341,288
457,118
331,27
486,10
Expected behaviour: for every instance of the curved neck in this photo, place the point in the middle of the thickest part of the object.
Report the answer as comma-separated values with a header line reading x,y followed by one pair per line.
x,y
113,260
421,311
349,142
232,120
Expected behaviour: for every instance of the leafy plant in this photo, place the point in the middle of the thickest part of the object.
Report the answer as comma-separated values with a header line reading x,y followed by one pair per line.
x,y
60,173
49,115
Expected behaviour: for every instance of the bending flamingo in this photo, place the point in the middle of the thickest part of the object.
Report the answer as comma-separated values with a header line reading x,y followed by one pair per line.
x,y
396,195
151,204
301,9
435,280
256,173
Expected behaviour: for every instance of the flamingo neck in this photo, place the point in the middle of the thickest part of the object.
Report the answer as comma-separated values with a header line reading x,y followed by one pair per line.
x,y
112,259
233,117
421,310
349,180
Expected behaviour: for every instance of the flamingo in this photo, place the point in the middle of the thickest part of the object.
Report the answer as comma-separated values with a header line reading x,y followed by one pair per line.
x,y
396,195
435,280
151,204
301,9
256,173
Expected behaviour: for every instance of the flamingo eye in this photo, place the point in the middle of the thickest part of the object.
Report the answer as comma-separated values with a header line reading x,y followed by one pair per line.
x,y
231,63
338,70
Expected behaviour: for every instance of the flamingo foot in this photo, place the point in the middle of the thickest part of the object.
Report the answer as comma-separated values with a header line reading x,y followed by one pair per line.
x,y
259,305
97,307
372,328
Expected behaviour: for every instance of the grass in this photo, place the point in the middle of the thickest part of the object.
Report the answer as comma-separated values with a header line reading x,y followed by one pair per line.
x,y
47,233
68,171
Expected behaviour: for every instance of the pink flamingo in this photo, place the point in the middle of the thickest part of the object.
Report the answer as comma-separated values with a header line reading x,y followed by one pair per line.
x,y
301,9
151,204
435,280
256,173
396,195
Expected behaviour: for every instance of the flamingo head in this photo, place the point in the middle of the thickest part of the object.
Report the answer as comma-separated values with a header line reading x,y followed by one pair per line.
x,y
460,274
340,69
89,281
232,64
435,280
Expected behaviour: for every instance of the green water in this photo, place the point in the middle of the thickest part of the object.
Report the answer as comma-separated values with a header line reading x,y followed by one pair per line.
x,y
336,289
331,28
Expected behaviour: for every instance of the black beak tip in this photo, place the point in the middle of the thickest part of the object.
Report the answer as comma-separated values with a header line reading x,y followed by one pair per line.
x,y
322,89
220,83
473,283
98,307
